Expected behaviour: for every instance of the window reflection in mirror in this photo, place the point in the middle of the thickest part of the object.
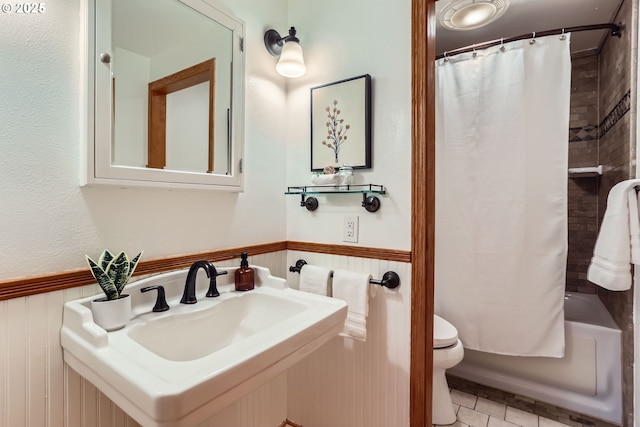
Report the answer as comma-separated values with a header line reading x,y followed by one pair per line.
x,y
153,40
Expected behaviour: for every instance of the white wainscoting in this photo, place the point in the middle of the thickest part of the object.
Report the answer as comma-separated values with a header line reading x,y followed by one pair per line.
x,y
347,383
38,390
342,384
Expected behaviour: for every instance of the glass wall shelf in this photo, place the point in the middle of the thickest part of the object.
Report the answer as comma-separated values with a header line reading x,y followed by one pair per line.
x,y
369,202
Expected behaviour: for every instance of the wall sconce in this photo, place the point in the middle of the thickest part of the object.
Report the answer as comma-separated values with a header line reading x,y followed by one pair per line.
x,y
291,63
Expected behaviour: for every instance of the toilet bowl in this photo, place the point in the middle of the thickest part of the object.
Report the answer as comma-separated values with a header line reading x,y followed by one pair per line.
x,y
447,353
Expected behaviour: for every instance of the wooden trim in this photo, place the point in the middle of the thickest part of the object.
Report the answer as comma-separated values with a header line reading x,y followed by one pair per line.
x,y
423,209
158,91
46,283
355,251
184,79
70,279
183,261
212,117
157,129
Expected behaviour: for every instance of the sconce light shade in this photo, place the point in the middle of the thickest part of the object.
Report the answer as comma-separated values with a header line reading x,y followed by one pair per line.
x,y
291,63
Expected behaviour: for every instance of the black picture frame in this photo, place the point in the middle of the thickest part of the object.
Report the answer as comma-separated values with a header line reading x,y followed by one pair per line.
x,y
341,124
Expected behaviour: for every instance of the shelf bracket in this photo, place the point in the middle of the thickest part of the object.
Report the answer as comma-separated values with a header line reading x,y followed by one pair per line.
x,y
311,203
370,203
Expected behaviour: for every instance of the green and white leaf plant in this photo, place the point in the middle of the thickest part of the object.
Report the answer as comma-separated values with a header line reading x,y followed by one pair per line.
x,y
113,272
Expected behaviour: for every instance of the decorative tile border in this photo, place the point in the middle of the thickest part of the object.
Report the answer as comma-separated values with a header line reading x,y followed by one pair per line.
x,y
623,106
592,133
586,133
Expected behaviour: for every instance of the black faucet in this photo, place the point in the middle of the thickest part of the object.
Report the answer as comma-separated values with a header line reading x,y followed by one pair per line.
x,y
189,294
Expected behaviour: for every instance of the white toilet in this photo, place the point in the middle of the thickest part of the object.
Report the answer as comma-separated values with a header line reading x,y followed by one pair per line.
x,y
447,353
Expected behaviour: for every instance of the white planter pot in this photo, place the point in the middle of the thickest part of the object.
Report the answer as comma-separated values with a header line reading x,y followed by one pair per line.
x,y
111,314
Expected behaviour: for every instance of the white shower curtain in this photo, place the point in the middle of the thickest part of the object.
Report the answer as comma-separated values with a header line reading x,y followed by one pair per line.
x,y
501,195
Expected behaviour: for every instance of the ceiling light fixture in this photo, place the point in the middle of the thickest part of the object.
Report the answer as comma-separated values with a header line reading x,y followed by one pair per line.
x,y
291,63
464,15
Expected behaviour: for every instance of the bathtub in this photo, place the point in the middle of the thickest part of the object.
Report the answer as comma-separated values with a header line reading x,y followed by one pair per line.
x,y
588,379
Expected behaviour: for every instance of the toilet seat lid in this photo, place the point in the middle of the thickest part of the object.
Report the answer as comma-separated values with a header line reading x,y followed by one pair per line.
x,y
444,333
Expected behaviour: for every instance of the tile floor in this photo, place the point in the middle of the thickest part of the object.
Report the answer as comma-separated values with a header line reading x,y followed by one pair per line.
x,y
479,412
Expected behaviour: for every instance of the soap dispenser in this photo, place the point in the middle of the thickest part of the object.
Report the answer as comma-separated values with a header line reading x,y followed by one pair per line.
x,y
244,275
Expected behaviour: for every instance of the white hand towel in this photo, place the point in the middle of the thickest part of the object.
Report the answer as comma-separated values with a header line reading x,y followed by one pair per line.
x,y
315,280
353,288
618,243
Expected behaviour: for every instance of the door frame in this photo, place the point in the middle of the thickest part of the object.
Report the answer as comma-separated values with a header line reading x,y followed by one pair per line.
x,y
422,209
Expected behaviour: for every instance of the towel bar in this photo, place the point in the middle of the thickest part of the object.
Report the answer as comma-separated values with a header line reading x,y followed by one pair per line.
x,y
390,279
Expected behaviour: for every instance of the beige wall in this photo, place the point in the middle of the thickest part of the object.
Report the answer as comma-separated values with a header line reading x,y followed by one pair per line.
x,y
48,223
348,383
342,40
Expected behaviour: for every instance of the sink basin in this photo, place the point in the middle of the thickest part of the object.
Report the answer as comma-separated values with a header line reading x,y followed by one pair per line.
x,y
243,316
179,367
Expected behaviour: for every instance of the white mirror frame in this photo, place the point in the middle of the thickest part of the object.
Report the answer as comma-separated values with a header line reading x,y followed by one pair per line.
x,y
96,106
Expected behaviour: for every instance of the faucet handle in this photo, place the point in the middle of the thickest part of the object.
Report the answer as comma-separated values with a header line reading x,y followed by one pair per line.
x,y
213,284
161,301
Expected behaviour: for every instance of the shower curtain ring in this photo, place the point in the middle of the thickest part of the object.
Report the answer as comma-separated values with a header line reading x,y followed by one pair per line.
x,y
474,51
533,39
446,58
563,37
502,48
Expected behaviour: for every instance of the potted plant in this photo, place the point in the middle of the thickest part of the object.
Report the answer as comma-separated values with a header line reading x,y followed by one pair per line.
x,y
112,273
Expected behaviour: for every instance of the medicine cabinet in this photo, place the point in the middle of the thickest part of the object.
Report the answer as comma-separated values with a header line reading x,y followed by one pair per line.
x,y
164,94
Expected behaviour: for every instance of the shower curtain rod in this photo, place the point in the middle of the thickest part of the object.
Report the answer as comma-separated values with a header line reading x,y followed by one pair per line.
x,y
616,30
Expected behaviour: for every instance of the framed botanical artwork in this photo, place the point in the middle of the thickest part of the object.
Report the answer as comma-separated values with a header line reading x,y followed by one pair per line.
x,y
341,124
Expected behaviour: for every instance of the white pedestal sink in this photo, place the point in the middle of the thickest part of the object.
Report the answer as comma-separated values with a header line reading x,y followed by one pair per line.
x,y
179,367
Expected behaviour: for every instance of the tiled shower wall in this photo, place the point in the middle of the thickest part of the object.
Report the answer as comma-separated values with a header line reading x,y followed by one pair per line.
x,y
583,152
602,131
618,71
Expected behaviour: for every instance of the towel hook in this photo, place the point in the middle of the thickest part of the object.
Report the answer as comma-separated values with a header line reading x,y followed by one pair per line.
x,y
533,39
563,36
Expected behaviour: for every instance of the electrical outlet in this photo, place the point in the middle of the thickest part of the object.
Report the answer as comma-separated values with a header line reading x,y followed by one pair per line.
x,y
350,228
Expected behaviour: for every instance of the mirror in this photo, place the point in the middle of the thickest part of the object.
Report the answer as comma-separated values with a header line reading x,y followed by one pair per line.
x,y
165,91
